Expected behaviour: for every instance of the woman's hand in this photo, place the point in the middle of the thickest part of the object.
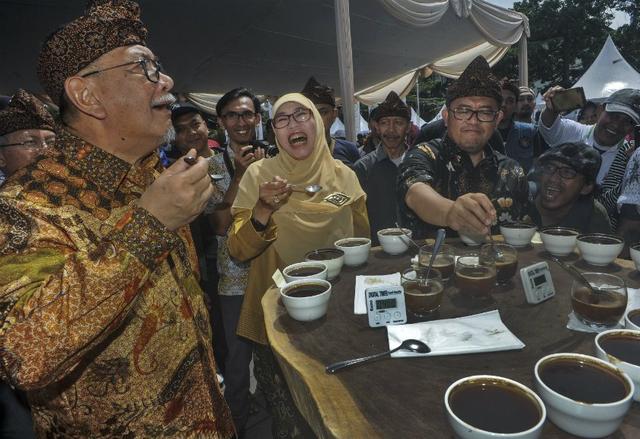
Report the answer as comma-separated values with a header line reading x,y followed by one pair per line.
x,y
272,195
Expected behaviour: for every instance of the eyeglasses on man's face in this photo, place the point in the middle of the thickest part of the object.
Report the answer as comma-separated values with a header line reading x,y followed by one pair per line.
x,y
151,67
483,115
234,117
33,143
563,171
282,120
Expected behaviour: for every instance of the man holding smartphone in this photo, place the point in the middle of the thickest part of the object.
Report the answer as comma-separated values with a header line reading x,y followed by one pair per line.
x,y
607,136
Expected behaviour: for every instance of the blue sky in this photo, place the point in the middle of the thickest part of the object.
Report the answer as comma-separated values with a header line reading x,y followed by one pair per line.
x,y
619,20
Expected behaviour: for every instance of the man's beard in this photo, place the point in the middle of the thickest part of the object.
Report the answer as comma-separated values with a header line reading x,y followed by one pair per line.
x,y
169,137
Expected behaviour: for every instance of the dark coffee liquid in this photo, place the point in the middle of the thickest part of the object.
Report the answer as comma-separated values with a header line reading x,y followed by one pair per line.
x,y
325,255
626,347
519,226
304,271
506,268
494,406
635,317
445,266
583,381
604,307
600,240
475,281
556,232
352,243
306,291
422,299
393,233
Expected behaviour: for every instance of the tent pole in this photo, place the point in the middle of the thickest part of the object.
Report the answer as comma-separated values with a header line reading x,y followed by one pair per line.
x,y
523,65
418,95
345,65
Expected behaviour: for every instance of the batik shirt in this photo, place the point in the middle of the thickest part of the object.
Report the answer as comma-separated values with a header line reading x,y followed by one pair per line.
x,y
447,169
102,321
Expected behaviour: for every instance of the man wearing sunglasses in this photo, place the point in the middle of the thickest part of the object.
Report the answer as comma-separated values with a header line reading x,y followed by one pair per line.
x,y
459,181
567,176
102,320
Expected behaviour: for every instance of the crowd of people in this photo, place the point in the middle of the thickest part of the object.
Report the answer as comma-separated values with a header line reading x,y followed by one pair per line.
x,y
131,280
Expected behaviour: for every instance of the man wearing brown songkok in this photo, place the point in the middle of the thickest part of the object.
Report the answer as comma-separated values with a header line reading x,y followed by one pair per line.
x,y
325,102
26,129
378,170
459,181
102,321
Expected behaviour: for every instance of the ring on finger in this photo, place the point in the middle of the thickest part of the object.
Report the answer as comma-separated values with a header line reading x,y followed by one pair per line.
x,y
276,199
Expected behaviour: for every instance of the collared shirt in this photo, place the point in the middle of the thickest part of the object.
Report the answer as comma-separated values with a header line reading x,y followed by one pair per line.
x,y
345,151
446,168
102,321
378,175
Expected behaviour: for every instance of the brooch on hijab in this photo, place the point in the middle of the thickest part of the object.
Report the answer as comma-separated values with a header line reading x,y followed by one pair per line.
x,y
337,198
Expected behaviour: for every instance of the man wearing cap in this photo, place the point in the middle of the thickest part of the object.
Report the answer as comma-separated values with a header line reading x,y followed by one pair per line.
x,y
459,181
26,131
519,137
629,203
323,98
567,181
102,321
525,106
378,170
607,136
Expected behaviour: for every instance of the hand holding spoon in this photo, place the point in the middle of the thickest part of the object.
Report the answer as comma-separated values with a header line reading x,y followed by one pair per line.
x,y
190,160
407,345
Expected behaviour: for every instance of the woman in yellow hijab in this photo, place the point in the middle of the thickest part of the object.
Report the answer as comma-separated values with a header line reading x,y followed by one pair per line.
x,y
274,226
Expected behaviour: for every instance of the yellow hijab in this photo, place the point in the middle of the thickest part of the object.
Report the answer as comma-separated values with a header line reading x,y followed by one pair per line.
x,y
305,222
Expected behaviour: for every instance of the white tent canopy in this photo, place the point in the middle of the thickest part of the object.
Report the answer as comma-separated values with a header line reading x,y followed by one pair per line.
x,y
608,73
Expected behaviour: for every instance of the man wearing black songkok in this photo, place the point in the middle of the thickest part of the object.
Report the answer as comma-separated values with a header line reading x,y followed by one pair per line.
x,y
325,102
459,181
378,170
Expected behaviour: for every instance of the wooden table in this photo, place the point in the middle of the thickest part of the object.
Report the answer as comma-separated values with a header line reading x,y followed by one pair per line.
x,y
404,398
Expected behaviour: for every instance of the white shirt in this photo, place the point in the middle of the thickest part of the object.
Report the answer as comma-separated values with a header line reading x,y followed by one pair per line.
x,y
566,130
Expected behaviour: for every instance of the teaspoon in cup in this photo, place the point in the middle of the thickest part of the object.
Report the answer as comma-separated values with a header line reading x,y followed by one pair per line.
x,y
407,345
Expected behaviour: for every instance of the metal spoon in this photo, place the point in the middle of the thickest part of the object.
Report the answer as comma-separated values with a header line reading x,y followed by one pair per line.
x,y
406,235
407,345
309,190
575,273
496,252
190,160
436,248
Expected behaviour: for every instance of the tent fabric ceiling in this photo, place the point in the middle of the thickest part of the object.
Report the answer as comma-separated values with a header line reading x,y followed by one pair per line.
x,y
271,46
608,72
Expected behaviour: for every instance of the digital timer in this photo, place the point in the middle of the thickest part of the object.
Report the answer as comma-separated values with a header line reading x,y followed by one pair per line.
x,y
537,283
385,305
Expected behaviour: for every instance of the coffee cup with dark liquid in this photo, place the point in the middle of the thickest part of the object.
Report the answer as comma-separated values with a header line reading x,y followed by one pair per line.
x,y
506,260
621,347
445,261
604,304
475,276
584,395
487,406
306,299
632,319
301,270
422,295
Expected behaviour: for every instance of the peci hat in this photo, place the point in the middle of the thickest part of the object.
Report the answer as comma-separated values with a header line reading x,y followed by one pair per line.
x,y
105,25
476,80
318,93
626,101
583,158
392,106
25,112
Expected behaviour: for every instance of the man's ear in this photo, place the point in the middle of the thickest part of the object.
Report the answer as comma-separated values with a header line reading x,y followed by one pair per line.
x,y
587,189
3,161
499,117
445,116
82,94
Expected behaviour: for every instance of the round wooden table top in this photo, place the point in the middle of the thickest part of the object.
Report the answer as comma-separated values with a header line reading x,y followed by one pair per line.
x,y
404,397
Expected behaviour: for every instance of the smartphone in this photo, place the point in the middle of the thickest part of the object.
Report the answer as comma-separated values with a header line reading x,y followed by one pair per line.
x,y
569,99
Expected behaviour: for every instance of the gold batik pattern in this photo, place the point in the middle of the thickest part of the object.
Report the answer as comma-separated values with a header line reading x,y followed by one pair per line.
x,y
102,321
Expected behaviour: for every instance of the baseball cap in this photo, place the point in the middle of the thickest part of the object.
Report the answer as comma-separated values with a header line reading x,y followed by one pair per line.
x,y
626,101
182,108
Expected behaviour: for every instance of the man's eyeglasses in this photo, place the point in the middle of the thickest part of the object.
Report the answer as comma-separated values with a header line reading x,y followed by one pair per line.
x,y
32,143
151,67
468,113
563,171
232,116
282,120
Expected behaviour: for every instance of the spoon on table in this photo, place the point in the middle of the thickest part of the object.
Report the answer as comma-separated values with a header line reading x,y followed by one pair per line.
x,y
436,248
309,190
573,271
407,345
406,235
193,160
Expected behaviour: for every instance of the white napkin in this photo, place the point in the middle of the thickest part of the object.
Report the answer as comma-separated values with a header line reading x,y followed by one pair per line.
x,y
482,332
364,282
633,302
